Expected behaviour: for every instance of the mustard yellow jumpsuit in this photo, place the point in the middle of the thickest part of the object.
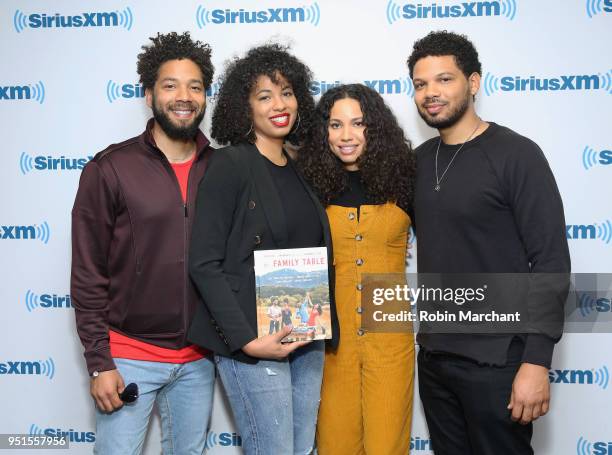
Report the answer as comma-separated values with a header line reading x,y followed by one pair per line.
x,y
367,391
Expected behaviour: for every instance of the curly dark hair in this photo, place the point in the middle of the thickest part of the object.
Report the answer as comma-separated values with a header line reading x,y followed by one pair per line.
x,y
173,46
232,119
387,165
447,43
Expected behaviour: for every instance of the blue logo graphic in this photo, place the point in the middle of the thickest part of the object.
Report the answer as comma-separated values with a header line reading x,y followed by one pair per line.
x,y
123,18
599,377
27,163
46,301
601,231
40,232
34,92
306,14
584,447
504,8
21,367
400,86
593,7
71,434
493,84
591,158
587,304
418,443
114,91
222,439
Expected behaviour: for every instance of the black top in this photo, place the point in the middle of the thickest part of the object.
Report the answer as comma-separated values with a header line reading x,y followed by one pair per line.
x,y
303,224
355,195
498,211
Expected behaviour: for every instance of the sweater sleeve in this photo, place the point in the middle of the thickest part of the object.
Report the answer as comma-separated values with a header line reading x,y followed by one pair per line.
x,y
538,213
93,217
217,199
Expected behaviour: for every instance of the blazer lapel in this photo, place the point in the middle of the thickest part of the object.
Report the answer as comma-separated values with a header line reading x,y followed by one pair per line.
x,y
269,198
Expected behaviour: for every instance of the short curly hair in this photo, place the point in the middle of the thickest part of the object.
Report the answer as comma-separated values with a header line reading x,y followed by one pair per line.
x,y
232,119
387,165
173,46
447,43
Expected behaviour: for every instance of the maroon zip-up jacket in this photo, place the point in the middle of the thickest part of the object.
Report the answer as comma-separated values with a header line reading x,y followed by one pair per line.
x,y
130,240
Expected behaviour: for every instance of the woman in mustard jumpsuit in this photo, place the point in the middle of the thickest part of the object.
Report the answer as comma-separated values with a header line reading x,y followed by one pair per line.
x,y
362,167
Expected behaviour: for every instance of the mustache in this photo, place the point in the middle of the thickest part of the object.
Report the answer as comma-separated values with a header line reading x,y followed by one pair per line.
x,y
433,100
181,106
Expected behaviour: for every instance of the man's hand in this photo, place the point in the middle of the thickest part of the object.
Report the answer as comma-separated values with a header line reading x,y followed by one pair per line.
x,y
530,396
105,390
270,346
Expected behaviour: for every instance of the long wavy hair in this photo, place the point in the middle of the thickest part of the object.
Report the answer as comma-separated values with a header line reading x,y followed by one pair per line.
x,y
232,119
387,165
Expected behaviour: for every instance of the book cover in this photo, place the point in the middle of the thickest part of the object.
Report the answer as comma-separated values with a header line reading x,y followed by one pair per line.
x,y
292,288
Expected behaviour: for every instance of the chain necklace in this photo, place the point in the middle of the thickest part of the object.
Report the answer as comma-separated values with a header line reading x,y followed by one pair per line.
x,y
439,180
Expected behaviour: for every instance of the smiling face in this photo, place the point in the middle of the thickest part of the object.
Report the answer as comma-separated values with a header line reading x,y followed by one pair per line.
x,y
178,99
443,94
273,108
346,132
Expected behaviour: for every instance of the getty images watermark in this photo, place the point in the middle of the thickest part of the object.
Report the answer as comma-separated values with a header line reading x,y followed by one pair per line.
x,y
547,303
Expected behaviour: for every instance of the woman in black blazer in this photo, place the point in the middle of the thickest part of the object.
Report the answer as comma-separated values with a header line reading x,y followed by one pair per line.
x,y
252,197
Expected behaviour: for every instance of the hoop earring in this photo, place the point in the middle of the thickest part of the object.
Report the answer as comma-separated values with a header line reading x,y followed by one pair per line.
x,y
249,132
297,127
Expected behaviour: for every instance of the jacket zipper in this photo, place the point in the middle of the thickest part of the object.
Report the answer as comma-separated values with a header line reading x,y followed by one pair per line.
x,y
185,221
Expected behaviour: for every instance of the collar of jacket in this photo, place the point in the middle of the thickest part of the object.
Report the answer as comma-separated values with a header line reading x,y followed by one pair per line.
x,y
146,138
272,205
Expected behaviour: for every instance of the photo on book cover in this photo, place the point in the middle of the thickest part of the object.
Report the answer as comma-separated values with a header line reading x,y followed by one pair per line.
x,y
292,288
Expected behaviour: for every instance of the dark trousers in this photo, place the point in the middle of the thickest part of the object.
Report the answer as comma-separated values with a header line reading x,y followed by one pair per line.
x,y
466,403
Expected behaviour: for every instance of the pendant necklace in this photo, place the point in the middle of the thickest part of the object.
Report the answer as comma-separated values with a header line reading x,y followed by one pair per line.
x,y
439,180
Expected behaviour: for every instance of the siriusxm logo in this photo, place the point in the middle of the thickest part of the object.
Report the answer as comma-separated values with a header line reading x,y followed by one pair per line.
x,y
587,304
600,231
599,377
306,14
71,434
20,367
29,163
222,439
402,85
417,443
592,157
584,447
114,91
40,232
123,18
593,7
46,301
34,92
504,8
493,84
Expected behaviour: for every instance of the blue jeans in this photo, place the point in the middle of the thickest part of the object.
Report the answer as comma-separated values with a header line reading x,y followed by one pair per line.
x,y
183,393
275,403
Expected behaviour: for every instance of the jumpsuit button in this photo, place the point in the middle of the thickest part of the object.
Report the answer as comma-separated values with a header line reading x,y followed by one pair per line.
x,y
359,261
359,310
251,205
359,286
360,332
358,237
351,216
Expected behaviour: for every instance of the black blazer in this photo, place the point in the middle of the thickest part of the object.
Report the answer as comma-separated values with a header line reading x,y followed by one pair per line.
x,y
238,210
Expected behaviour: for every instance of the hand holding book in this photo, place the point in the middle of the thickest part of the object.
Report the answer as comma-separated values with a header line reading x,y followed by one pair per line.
x,y
271,347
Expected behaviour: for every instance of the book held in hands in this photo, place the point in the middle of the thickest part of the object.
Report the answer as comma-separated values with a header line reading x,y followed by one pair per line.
x,y
292,288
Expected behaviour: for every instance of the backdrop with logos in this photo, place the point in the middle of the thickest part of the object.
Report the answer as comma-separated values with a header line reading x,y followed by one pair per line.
x,y
69,88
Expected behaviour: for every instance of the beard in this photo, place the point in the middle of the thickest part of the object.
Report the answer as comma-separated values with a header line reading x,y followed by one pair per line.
x,y
453,116
173,131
